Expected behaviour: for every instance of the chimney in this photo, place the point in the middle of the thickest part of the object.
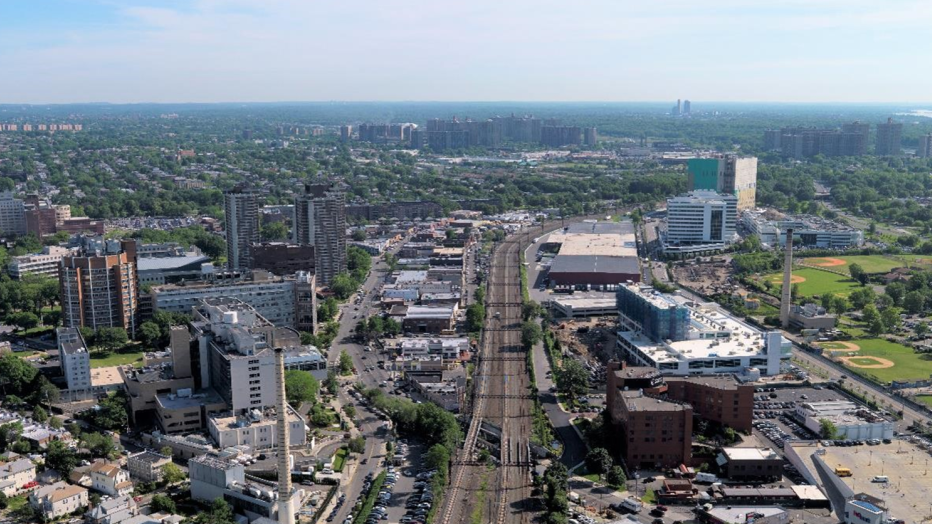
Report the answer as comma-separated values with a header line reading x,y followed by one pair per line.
x,y
285,507
787,281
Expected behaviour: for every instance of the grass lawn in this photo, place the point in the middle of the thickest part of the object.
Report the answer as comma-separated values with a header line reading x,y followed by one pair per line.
x,y
907,364
832,345
816,282
649,497
339,459
116,359
593,477
925,399
14,503
870,263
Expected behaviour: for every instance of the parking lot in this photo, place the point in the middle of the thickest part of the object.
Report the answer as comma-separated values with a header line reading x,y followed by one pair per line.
x,y
774,408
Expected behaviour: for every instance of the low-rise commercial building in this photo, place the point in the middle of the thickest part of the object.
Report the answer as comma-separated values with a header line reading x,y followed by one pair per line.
x,y
808,230
750,463
213,477
255,428
146,466
852,422
744,515
154,271
656,433
811,316
450,348
865,509
45,263
429,319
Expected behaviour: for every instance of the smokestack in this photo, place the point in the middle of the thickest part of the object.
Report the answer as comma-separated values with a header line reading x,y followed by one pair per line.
x,y
787,281
285,508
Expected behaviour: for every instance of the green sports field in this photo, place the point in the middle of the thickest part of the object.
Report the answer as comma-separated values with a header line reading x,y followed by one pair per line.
x,y
870,263
815,282
907,365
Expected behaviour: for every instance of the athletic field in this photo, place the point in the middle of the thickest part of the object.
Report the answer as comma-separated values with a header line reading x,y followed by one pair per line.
x,y
870,263
815,282
880,360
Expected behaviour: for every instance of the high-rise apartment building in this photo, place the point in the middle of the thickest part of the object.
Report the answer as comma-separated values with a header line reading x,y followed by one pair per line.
x,y
346,133
75,360
241,210
699,221
12,214
524,129
558,136
320,221
924,148
590,136
729,174
805,142
889,137
100,286
855,137
686,107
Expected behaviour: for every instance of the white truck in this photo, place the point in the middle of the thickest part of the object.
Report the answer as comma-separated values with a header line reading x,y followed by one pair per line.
x,y
707,478
632,504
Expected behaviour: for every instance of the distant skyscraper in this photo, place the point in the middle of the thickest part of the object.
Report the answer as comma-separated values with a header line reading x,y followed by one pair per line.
x,y
558,136
346,132
241,210
320,221
854,138
590,136
889,136
677,109
247,134
924,150
686,107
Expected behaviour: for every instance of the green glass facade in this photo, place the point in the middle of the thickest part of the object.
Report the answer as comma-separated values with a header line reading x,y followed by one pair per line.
x,y
704,173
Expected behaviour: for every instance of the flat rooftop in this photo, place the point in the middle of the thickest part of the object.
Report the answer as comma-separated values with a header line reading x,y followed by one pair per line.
x,y
590,263
104,377
199,398
585,302
610,244
904,463
738,514
636,401
750,454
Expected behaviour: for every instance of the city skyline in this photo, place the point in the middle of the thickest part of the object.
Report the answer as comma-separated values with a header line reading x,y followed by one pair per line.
x,y
238,51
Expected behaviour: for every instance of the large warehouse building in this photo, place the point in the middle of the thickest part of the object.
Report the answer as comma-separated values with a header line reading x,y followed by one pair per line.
x,y
594,253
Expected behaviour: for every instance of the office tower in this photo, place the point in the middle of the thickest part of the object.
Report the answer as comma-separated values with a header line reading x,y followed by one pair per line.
x,y
854,138
320,221
559,136
888,138
686,107
701,218
241,210
590,136
729,174
346,132
924,149
677,108
99,285
12,214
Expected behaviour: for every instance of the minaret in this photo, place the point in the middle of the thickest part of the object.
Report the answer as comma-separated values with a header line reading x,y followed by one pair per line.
x,y
787,281
285,508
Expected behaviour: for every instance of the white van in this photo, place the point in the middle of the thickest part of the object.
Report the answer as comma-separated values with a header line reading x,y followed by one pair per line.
x,y
881,478
708,478
632,504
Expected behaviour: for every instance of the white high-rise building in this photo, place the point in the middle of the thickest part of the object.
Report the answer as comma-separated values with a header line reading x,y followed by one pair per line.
x,y
700,221
241,211
12,214
75,359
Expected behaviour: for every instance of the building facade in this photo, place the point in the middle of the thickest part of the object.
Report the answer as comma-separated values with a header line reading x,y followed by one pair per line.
x,y
281,258
728,174
241,211
58,499
320,221
75,359
12,214
924,148
146,466
44,264
889,138
101,288
699,221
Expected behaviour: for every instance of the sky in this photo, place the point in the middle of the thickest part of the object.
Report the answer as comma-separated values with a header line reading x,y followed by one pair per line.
x,y
129,51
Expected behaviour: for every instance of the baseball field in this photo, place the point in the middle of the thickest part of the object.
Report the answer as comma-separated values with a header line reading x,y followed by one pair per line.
x,y
869,263
815,282
880,360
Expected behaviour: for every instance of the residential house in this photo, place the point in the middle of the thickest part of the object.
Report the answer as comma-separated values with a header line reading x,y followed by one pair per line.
x,y
14,475
112,511
109,478
58,499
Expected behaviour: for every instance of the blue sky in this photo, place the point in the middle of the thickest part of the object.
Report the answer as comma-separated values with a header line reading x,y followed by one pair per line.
x,y
58,51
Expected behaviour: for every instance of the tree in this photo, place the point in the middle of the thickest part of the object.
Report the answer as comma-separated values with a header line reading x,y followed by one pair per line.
x,y
111,338
332,383
598,460
827,429
39,414
3,500
44,391
220,513
274,231
530,333
391,326
438,457
9,433
896,291
149,333
891,319
350,411
827,300
343,286
857,273
162,503
531,310
359,235
839,305
18,373
23,320
327,310
346,363
166,450
922,329
99,446
300,386
616,477
357,444
861,297
475,317
172,474
794,291
60,457
872,318
573,379
914,302
110,413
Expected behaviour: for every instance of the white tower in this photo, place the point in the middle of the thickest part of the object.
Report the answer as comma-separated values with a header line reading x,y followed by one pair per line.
x,y
285,507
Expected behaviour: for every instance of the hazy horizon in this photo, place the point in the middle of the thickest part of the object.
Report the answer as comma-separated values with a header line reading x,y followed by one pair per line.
x,y
602,51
